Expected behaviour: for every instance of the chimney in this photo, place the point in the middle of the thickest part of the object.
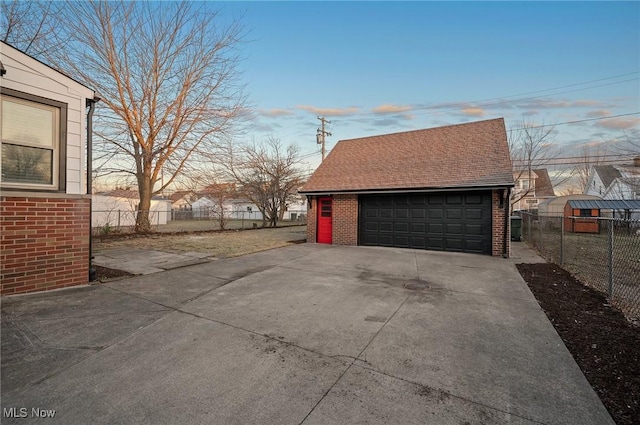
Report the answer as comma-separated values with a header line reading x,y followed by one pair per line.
x,y
636,161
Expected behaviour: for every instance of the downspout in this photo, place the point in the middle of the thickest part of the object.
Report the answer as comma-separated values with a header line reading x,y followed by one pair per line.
x,y
505,241
90,103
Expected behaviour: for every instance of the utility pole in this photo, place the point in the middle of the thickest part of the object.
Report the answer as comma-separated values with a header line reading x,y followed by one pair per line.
x,y
321,135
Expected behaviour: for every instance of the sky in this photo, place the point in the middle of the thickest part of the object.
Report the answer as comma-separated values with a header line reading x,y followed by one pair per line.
x,y
384,67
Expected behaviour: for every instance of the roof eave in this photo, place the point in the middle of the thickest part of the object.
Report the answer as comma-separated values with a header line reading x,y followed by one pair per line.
x,y
405,190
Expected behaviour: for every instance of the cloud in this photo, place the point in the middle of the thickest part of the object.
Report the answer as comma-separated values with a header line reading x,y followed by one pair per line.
x,y
473,111
559,103
386,122
389,109
598,113
586,103
619,123
275,112
329,111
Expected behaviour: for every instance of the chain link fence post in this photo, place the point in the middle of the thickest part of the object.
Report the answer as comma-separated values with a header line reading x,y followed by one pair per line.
x,y
540,235
610,259
561,241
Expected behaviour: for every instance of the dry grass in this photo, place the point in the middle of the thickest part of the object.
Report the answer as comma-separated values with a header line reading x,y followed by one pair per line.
x,y
224,244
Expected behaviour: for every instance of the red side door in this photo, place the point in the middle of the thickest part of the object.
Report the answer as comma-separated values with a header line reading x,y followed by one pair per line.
x,y
325,215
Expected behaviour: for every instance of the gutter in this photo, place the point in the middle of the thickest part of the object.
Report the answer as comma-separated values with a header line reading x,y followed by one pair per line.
x,y
90,103
404,190
505,240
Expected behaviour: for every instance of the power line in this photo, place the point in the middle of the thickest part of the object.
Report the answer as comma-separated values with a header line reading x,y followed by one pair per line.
x,y
577,121
500,100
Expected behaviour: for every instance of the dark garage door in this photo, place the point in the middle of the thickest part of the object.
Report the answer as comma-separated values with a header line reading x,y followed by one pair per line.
x,y
445,221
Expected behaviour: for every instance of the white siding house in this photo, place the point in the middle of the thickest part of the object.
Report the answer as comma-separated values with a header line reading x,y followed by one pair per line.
x,y
43,167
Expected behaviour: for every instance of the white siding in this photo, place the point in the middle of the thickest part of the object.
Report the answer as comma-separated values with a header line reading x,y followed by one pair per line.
x,y
27,75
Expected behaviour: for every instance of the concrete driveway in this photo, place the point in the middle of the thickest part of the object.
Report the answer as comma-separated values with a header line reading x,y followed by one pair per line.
x,y
306,334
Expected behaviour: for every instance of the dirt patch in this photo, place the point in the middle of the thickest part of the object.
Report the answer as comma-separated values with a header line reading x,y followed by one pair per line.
x,y
603,343
105,273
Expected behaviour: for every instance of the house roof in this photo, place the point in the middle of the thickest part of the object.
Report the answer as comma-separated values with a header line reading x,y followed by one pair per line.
x,y
607,173
179,194
48,66
544,187
605,204
121,193
471,155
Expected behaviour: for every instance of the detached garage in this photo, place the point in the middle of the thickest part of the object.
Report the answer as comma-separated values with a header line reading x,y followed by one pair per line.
x,y
444,189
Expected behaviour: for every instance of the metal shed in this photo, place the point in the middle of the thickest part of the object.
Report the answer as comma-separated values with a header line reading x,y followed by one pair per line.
x,y
588,210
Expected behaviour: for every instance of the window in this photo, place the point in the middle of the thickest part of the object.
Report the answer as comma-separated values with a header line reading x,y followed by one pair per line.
x,y
585,213
33,145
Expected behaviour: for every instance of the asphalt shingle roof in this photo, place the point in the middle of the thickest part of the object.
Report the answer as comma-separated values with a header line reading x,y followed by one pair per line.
x,y
607,173
544,187
456,156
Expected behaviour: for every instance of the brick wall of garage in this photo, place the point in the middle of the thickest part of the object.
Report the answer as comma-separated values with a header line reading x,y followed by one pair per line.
x,y
345,219
312,220
498,217
44,243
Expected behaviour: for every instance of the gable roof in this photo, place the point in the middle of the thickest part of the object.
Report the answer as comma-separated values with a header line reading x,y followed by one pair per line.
x,y
3,47
179,194
121,193
607,173
471,155
543,187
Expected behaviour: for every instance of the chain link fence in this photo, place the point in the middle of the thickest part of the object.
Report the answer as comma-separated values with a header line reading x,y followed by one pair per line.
x,y
105,222
601,252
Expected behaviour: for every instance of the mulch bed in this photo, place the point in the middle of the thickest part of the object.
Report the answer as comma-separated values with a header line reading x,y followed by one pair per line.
x,y
603,343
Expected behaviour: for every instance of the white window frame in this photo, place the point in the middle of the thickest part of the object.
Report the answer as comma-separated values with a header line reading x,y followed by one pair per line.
x,y
58,146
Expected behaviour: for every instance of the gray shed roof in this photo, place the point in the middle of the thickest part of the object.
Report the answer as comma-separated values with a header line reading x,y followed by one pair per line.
x,y
605,204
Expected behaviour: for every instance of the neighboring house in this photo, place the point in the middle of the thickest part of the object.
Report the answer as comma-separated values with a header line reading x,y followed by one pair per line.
x,y
182,200
45,205
206,207
236,209
444,188
615,181
244,209
531,189
117,208
296,209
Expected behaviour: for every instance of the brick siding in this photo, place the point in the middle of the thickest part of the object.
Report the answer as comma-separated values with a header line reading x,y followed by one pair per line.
x,y
345,219
498,217
312,220
44,243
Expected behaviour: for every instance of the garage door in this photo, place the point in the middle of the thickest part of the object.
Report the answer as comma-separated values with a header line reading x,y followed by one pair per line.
x,y
446,221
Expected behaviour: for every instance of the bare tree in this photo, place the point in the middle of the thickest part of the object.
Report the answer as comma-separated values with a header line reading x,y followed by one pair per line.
x,y
30,25
531,147
266,173
167,77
